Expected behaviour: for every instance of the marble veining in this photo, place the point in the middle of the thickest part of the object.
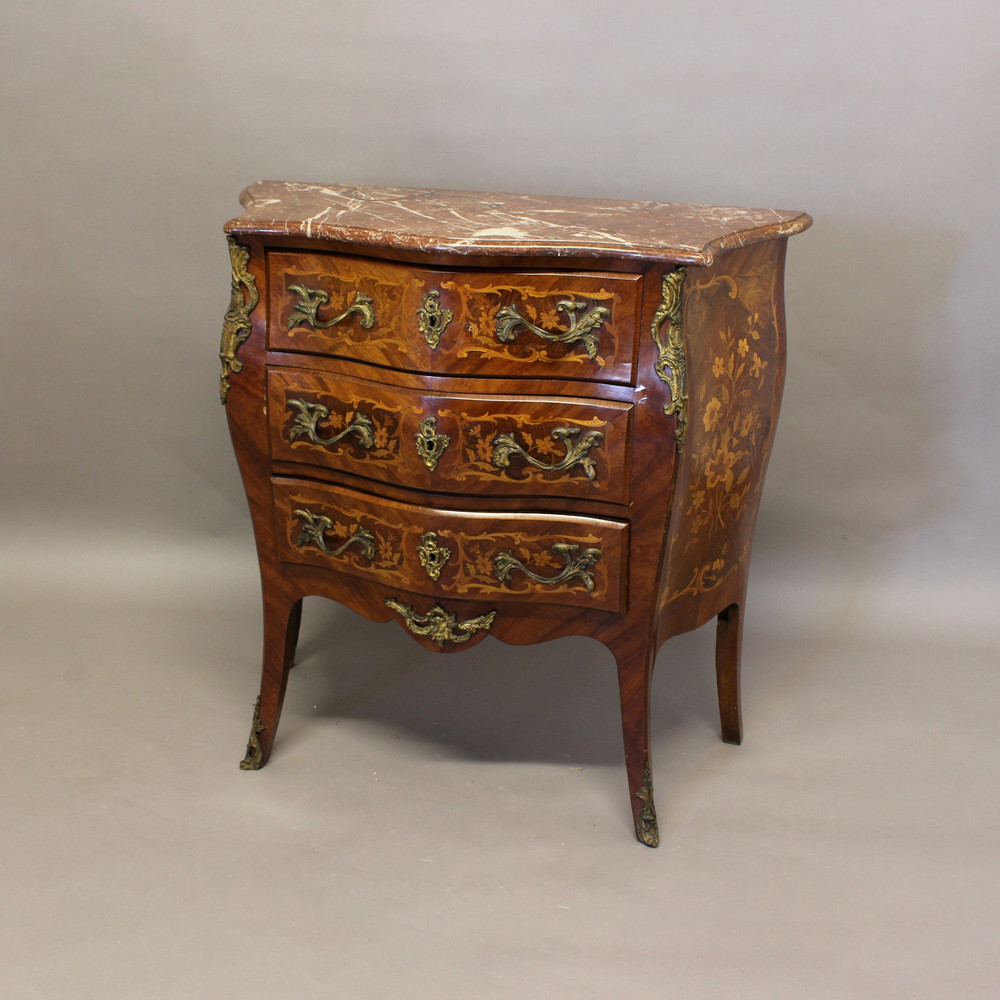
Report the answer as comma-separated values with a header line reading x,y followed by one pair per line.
x,y
468,222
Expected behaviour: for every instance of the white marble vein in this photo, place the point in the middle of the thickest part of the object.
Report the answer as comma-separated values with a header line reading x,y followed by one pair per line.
x,y
507,223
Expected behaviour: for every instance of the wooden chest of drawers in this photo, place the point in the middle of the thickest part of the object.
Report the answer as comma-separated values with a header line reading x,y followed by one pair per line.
x,y
505,415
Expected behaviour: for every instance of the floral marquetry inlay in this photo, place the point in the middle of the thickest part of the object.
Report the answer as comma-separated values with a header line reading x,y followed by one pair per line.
x,y
567,561
567,327
348,427
513,446
570,323
732,410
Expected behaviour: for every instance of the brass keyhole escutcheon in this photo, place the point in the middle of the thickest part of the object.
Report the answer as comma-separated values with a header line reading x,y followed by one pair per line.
x,y
432,319
430,444
432,556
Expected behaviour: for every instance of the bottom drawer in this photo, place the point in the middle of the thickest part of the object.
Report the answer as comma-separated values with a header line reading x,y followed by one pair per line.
x,y
557,559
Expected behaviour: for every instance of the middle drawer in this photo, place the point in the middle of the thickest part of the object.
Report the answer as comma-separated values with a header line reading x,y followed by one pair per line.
x,y
461,443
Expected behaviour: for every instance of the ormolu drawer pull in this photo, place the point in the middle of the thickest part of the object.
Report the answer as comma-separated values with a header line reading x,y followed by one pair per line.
x,y
440,625
307,418
432,319
314,529
504,446
578,564
583,328
430,444
307,308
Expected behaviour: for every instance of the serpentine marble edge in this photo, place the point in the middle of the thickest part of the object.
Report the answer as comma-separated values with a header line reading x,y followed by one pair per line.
x,y
507,224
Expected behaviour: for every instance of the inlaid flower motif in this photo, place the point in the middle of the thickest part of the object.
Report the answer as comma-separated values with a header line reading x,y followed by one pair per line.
x,y
551,320
480,566
750,425
735,403
713,414
720,469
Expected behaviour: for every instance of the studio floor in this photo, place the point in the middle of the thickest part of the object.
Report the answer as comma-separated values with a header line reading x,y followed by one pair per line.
x,y
458,826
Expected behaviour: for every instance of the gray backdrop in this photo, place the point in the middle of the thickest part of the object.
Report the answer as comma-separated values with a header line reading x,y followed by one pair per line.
x,y
128,130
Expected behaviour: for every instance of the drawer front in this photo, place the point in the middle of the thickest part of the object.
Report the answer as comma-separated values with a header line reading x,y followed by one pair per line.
x,y
534,325
485,445
446,553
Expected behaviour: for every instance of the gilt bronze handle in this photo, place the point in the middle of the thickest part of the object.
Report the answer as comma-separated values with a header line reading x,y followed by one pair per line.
x,y
583,327
310,300
504,446
440,625
307,418
578,564
314,529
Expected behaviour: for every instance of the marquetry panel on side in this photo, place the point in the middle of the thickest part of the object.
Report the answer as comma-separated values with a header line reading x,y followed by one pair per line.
x,y
734,336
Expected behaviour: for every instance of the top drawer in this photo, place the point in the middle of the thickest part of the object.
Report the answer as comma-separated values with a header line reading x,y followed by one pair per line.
x,y
529,324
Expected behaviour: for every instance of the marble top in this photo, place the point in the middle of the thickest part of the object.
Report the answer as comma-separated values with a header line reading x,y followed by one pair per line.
x,y
472,222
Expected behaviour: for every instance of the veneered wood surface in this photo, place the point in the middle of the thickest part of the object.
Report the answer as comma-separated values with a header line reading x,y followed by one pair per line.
x,y
469,344
736,374
600,430
474,540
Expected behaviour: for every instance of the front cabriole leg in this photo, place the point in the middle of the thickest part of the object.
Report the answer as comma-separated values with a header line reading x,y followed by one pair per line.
x,y
635,674
281,626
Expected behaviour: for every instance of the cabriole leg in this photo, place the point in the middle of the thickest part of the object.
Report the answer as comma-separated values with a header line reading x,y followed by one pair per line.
x,y
294,624
728,644
635,673
281,628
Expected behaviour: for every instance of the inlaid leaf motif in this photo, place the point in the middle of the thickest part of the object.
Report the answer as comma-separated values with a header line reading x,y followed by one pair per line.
x,y
529,310
473,435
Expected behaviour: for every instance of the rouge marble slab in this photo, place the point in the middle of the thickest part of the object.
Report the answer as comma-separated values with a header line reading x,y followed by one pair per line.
x,y
473,223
